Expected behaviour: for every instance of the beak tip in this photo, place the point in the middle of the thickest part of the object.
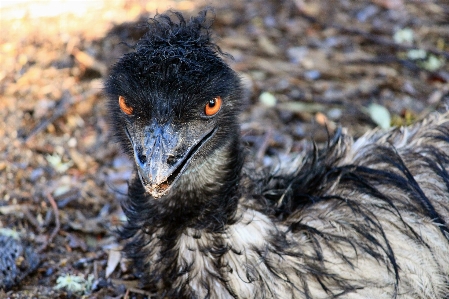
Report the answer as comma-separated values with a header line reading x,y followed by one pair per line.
x,y
156,187
157,191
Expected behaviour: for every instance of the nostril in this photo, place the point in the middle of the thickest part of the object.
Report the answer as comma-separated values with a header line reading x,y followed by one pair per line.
x,y
142,158
171,159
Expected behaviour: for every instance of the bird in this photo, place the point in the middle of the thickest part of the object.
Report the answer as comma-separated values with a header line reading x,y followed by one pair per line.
x,y
355,218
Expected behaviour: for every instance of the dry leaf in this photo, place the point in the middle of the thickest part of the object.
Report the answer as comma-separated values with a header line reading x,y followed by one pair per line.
x,y
113,260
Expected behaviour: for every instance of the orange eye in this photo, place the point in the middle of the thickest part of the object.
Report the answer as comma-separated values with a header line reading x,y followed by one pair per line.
x,y
213,106
125,108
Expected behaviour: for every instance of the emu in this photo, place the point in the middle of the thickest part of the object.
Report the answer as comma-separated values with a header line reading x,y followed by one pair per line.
x,y
364,218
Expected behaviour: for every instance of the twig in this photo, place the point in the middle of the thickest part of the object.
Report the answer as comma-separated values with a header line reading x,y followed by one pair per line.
x,y
263,147
96,270
57,223
90,62
17,210
31,219
139,291
132,286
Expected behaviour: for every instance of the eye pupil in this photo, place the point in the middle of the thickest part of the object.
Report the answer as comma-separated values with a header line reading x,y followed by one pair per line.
x,y
212,103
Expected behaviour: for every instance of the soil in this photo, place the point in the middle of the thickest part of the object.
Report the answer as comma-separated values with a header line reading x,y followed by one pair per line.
x,y
308,67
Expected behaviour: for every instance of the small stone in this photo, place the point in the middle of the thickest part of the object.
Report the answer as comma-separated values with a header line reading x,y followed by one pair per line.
x,y
267,99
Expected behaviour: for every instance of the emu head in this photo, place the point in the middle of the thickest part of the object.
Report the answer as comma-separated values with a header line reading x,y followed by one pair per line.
x,y
173,101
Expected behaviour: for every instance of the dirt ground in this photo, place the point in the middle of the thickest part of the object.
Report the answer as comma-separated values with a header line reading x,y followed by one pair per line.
x,y
308,67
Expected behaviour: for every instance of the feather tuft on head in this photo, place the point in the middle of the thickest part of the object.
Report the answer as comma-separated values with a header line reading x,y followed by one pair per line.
x,y
171,37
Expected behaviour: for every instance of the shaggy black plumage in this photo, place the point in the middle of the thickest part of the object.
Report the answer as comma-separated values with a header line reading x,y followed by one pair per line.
x,y
364,219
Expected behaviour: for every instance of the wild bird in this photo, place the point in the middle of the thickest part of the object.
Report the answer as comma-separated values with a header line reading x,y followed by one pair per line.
x,y
356,219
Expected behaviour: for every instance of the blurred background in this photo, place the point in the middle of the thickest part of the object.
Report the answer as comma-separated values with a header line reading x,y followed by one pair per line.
x,y
307,67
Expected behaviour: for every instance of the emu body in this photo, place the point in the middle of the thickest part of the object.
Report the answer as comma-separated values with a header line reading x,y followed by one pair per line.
x,y
358,219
